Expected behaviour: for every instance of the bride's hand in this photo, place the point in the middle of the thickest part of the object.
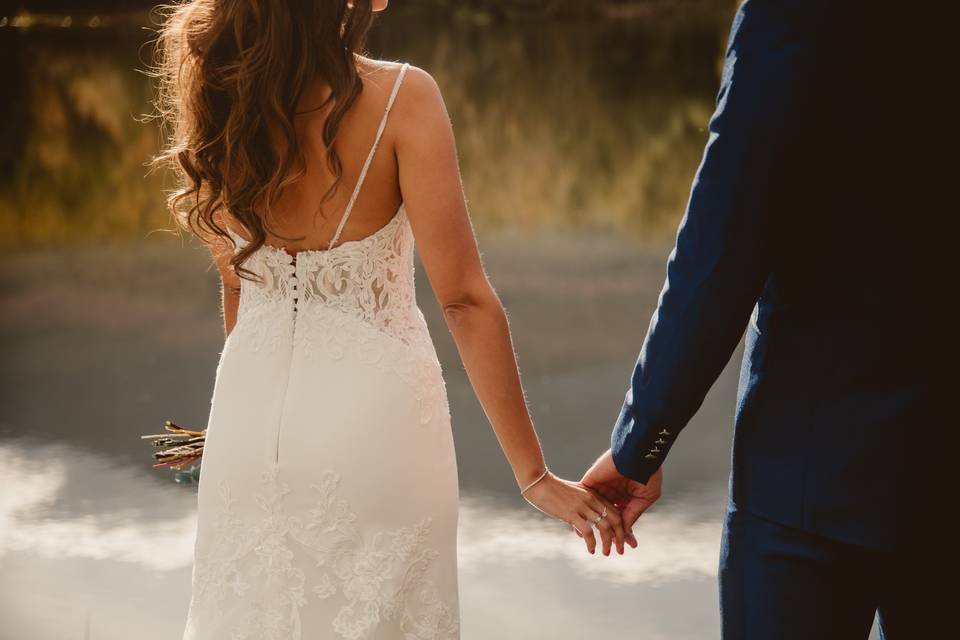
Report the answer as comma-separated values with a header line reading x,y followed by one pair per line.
x,y
580,507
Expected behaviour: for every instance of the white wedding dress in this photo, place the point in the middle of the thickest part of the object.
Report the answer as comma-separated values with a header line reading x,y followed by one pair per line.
x,y
328,490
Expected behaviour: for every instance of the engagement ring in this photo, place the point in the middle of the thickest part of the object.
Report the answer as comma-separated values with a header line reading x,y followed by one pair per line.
x,y
601,516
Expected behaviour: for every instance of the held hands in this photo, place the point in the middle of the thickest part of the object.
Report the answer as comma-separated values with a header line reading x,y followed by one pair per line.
x,y
630,497
604,499
580,507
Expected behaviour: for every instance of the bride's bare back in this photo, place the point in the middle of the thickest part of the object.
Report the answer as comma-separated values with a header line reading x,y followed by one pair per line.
x,y
300,220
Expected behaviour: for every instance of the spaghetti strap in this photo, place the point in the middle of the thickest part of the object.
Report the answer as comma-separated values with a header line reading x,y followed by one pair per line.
x,y
366,164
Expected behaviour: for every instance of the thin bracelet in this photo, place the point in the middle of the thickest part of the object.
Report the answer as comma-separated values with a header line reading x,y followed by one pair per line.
x,y
542,476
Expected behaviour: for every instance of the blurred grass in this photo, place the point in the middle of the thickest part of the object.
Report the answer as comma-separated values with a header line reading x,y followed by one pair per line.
x,y
550,146
560,123
496,8
80,171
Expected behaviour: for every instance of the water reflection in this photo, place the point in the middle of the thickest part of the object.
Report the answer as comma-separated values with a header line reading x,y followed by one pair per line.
x,y
66,512
102,344
60,502
673,544
53,507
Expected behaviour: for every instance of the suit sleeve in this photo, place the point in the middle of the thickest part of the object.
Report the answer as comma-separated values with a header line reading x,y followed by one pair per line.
x,y
720,261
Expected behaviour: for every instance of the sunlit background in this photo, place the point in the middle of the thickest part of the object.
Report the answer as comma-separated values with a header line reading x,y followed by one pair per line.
x,y
579,124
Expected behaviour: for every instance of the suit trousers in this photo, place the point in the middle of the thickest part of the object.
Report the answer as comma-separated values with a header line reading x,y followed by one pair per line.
x,y
781,583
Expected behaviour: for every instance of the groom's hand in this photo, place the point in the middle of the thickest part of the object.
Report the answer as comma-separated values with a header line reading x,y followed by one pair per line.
x,y
630,496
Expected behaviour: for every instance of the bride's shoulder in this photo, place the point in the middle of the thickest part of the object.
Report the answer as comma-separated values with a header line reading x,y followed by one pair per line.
x,y
417,93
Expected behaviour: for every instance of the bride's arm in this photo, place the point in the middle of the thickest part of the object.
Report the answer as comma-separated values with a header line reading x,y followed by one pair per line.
x,y
230,302
221,251
433,197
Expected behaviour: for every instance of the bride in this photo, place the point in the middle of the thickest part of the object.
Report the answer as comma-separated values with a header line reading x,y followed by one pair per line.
x,y
328,492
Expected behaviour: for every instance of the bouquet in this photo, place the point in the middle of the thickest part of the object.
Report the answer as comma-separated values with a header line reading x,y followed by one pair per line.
x,y
181,448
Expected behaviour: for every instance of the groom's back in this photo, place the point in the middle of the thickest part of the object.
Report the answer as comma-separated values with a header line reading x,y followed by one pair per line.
x,y
810,208
839,373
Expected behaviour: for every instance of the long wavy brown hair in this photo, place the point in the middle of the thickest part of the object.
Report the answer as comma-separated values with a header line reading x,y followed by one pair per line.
x,y
229,75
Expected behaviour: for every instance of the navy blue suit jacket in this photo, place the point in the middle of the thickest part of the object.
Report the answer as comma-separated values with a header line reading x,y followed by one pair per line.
x,y
807,227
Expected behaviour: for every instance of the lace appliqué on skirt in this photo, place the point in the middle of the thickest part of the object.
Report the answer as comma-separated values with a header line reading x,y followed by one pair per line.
x,y
381,579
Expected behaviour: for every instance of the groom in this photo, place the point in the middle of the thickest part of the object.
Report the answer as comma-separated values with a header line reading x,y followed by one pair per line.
x,y
802,227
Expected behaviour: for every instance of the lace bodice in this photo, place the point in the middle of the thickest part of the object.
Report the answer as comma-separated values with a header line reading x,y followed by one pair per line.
x,y
345,298
370,280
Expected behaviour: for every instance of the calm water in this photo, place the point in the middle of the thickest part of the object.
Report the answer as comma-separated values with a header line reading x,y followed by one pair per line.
x,y
578,144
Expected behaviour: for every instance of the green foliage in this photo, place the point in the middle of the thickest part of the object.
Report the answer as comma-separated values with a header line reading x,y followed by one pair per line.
x,y
559,123
79,172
